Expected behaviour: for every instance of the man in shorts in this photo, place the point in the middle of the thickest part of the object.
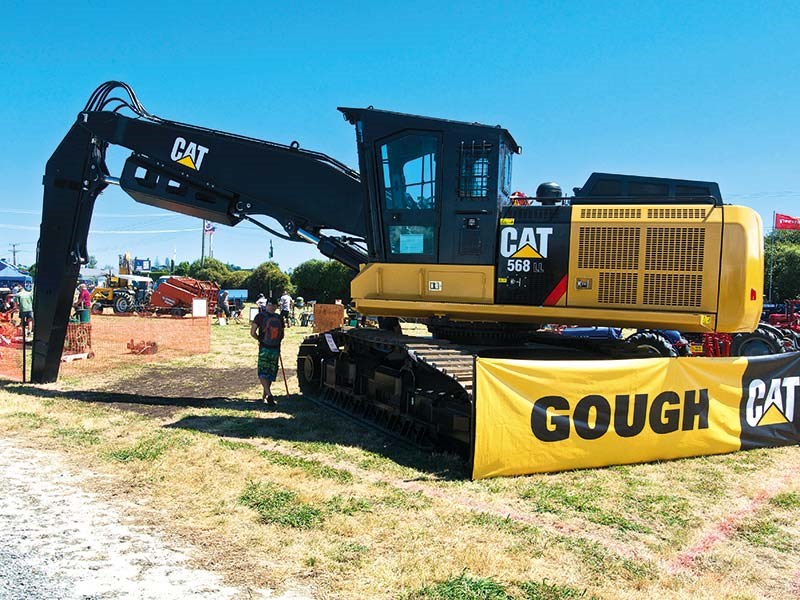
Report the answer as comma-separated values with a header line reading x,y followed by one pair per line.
x,y
267,328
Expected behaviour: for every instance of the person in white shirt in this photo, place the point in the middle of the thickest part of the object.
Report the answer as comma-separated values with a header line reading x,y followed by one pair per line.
x,y
286,303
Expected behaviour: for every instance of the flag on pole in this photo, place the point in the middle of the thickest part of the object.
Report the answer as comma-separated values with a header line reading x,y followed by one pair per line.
x,y
786,222
209,227
271,253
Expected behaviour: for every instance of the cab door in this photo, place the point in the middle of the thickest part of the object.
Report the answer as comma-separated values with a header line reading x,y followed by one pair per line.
x,y
410,196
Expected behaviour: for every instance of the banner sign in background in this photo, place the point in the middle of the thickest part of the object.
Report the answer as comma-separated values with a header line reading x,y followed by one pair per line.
x,y
786,222
541,416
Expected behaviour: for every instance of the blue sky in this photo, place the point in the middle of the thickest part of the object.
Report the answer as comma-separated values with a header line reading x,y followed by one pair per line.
x,y
705,90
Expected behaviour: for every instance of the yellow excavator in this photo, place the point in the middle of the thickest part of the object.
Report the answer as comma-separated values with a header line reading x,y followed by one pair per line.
x,y
427,225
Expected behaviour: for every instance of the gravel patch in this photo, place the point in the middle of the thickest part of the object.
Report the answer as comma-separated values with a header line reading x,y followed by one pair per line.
x,y
59,541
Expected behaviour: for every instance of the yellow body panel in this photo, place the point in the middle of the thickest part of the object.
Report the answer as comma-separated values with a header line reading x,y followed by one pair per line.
x,y
427,283
742,271
694,268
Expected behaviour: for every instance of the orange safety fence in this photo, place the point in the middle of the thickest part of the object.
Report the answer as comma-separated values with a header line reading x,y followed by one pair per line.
x,y
117,340
11,348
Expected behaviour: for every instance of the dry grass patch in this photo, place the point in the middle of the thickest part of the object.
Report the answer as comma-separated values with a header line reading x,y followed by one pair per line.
x,y
301,494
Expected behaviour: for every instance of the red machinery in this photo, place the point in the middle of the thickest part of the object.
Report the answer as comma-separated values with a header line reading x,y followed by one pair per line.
x,y
175,295
790,319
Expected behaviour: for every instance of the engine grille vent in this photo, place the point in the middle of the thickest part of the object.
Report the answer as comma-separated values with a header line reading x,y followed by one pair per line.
x,y
675,248
614,248
611,213
673,289
676,213
617,288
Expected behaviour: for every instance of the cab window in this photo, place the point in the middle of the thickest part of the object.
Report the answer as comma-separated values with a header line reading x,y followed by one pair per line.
x,y
409,173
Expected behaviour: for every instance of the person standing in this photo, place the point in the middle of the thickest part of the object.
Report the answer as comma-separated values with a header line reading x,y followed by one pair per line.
x,y
286,308
83,304
224,304
267,328
25,304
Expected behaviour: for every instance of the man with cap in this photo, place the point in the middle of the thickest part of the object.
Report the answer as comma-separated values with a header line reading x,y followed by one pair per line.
x,y
267,328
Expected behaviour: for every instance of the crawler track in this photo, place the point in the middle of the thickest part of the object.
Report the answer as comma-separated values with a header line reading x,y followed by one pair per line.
x,y
416,388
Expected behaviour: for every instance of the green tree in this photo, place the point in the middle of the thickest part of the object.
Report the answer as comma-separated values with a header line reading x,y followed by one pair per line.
x,y
322,280
182,268
32,270
210,270
782,258
92,262
237,280
268,279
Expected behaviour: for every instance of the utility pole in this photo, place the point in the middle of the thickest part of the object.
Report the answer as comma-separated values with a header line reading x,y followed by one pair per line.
x,y
14,253
203,243
772,256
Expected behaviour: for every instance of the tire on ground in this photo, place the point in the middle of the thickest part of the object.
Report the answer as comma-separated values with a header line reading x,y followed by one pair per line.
x,y
760,342
309,368
123,303
97,308
652,344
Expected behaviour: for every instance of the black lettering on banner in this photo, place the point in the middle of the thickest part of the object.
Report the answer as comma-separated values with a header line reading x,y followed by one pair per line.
x,y
621,425
692,409
557,429
602,417
665,420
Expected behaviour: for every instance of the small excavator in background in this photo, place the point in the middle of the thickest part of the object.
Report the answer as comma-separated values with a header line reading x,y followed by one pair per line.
x,y
427,225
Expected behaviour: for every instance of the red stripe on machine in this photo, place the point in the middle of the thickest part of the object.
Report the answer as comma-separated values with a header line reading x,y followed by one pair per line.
x,y
557,292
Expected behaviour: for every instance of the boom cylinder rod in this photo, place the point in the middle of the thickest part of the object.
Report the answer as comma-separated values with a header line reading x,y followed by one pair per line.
x,y
308,237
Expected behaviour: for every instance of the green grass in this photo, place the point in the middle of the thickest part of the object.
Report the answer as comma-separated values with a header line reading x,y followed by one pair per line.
x,y
232,445
310,466
467,587
556,498
348,506
149,448
463,587
786,500
766,534
31,420
397,498
280,506
350,552
601,561
535,590
79,436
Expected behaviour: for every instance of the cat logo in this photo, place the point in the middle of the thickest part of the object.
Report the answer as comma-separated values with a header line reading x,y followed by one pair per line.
x,y
188,154
771,403
527,242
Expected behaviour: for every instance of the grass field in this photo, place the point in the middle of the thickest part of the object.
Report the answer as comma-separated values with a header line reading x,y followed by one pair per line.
x,y
298,495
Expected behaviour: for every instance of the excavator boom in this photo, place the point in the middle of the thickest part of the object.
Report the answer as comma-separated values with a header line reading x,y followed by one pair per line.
x,y
200,172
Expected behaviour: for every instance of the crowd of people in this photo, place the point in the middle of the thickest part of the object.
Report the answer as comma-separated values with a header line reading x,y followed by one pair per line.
x,y
19,301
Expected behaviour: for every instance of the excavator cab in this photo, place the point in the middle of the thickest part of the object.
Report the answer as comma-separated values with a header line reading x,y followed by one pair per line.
x,y
434,187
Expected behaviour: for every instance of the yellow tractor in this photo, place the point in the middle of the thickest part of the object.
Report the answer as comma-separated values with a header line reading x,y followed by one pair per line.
x,y
124,291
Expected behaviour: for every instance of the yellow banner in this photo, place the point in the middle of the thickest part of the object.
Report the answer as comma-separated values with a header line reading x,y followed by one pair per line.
x,y
540,416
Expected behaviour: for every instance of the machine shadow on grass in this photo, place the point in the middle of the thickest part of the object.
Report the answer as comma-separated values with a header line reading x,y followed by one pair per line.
x,y
295,419
298,419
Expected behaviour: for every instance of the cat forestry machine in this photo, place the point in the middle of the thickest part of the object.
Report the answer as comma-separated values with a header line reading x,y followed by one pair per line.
x,y
428,228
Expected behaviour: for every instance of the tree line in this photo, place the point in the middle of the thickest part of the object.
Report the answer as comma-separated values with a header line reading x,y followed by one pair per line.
x,y
321,280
